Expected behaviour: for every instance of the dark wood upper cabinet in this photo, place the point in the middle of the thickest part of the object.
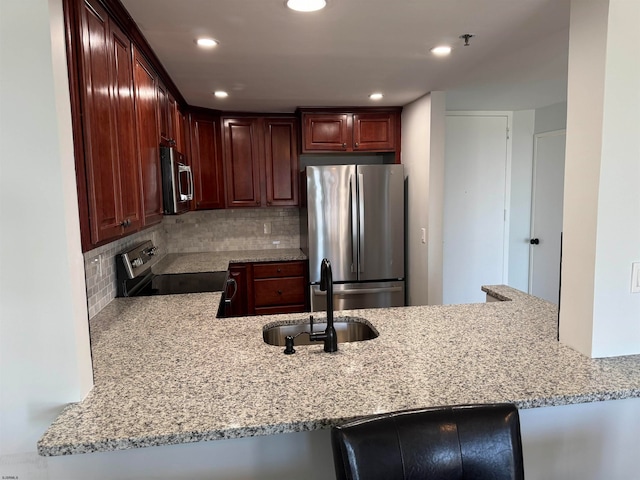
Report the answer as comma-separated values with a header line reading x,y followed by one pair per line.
x,y
163,112
120,106
326,132
374,132
242,155
365,130
125,129
261,161
108,125
181,132
206,161
148,139
281,161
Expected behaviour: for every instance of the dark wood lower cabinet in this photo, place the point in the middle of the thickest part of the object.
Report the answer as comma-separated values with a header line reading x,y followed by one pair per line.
x,y
279,287
268,288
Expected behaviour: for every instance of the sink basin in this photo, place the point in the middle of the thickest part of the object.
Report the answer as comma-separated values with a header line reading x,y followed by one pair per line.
x,y
348,329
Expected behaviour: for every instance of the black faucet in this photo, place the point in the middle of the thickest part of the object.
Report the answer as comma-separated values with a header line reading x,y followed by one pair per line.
x,y
326,285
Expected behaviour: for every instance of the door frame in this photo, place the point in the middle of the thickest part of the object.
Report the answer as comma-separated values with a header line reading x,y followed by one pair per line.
x,y
507,177
534,163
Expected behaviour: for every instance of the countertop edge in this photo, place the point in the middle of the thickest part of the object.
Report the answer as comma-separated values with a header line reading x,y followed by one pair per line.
x,y
304,426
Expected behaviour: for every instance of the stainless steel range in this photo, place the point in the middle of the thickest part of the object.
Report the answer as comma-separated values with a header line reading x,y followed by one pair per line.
x,y
135,277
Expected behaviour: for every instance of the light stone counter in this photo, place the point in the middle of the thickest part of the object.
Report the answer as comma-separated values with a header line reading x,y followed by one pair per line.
x,y
219,261
167,371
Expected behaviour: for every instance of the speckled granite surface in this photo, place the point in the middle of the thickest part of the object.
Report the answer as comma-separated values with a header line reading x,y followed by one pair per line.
x,y
167,371
218,261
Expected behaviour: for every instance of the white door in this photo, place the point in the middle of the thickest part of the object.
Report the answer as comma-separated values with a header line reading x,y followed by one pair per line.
x,y
475,196
546,215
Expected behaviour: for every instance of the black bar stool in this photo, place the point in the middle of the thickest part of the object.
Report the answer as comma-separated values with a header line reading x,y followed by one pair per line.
x,y
465,442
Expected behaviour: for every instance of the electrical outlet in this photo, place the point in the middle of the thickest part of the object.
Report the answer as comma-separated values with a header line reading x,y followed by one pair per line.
x,y
635,277
267,228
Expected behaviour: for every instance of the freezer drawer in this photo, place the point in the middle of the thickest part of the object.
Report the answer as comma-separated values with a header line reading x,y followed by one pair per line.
x,y
348,296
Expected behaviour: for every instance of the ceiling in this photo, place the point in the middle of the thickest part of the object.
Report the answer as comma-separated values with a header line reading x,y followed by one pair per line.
x,y
272,59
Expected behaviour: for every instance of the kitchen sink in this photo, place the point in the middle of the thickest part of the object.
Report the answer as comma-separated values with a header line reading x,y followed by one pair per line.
x,y
348,329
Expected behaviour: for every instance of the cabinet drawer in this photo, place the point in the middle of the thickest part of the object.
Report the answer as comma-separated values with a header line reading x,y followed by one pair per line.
x,y
278,269
281,291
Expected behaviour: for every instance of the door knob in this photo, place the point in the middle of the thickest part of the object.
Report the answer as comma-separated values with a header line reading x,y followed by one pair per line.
x,y
534,241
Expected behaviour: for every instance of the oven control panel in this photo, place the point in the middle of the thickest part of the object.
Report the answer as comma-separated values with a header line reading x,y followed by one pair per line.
x,y
138,259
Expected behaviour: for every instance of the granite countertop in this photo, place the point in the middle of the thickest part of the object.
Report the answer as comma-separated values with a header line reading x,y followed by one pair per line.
x,y
168,372
219,261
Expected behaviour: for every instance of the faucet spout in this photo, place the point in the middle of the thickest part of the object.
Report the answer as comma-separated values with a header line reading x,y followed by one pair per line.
x,y
329,336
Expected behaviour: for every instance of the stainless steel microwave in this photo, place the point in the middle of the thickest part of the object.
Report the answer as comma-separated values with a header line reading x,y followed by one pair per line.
x,y
177,181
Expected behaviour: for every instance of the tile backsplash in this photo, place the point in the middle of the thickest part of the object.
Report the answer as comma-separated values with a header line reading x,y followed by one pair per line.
x,y
100,266
204,231
229,230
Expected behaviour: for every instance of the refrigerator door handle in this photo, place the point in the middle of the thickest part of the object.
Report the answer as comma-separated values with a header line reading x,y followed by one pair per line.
x,y
358,291
361,220
353,223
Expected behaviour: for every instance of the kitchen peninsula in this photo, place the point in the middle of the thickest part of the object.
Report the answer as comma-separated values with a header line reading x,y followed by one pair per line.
x,y
167,371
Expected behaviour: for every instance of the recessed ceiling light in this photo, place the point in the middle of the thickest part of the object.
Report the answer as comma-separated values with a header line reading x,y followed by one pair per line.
x,y
376,96
306,5
441,51
221,94
206,42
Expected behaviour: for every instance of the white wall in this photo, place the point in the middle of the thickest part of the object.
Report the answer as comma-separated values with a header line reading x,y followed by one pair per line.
x,y
550,118
423,159
599,316
617,311
44,345
520,203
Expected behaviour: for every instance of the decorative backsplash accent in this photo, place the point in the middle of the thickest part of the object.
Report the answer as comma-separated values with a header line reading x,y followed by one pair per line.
x,y
204,231
231,230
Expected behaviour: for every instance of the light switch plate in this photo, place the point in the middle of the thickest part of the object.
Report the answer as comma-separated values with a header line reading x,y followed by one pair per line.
x,y
635,277
423,235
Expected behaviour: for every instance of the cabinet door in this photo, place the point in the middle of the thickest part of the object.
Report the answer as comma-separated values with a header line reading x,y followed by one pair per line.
x,y
102,170
148,139
374,132
125,129
180,132
206,160
326,132
242,162
172,127
163,111
281,162
236,291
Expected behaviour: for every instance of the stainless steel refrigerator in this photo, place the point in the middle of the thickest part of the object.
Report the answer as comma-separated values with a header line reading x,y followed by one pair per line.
x,y
354,216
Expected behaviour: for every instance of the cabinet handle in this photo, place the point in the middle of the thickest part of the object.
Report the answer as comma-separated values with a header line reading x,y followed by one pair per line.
x,y
357,144
268,202
257,202
279,270
344,145
125,223
279,292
